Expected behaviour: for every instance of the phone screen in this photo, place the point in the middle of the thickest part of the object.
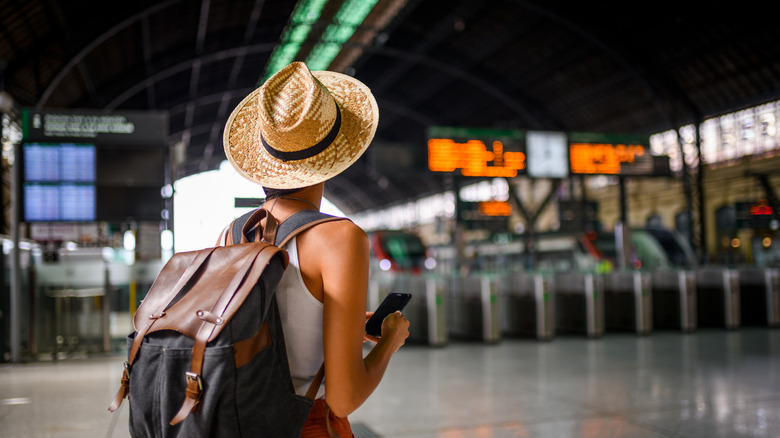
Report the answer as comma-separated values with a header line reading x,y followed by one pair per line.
x,y
392,302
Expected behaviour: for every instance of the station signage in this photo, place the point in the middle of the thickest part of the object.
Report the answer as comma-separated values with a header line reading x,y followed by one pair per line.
x,y
128,128
495,208
600,154
539,154
83,165
757,214
485,215
476,152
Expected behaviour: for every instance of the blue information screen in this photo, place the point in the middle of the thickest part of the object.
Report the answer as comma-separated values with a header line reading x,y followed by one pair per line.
x,y
59,182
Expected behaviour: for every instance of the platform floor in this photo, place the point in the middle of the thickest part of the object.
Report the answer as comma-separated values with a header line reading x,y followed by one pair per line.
x,y
712,383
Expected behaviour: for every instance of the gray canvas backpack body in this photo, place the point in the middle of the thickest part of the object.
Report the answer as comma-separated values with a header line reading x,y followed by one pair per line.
x,y
208,358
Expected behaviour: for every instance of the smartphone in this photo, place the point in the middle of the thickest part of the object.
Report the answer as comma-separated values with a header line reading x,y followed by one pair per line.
x,y
392,302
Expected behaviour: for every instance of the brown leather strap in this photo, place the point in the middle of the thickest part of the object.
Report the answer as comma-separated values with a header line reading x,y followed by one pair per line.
x,y
244,351
253,223
156,307
315,384
270,229
124,389
226,233
312,394
191,400
234,290
153,307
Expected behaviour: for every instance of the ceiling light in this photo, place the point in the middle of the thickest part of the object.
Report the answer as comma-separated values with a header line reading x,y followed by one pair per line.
x,y
306,13
346,21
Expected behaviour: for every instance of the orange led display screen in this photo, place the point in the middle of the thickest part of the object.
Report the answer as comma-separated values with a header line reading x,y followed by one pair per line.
x,y
495,208
473,158
602,158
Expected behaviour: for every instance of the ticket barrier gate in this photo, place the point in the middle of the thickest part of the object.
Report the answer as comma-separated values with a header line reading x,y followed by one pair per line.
x,y
628,302
579,303
74,308
718,298
426,311
528,306
674,300
473,308
760,296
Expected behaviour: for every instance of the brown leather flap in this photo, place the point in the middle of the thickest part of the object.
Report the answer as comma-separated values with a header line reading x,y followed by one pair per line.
x,y
222,268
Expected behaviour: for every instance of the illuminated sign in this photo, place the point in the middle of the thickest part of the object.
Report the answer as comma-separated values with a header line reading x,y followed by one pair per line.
x,y
495,208
755,215
477,152
473,158
761,208
603,158
486,215
145,128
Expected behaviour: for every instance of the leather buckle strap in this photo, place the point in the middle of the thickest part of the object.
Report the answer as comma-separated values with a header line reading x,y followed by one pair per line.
x,y
124,389
191,399
236,289
159,307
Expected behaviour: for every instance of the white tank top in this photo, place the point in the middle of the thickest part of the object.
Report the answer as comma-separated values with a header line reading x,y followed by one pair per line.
x,y
302,323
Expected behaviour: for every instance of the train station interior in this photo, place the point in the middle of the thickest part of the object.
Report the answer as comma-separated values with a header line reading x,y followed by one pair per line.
x,y
583,200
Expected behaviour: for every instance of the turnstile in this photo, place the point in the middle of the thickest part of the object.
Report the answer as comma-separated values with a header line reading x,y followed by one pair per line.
x,y
473,308
426,311
579,303
628,301
717,298
528,305
759,290
74,302
674,299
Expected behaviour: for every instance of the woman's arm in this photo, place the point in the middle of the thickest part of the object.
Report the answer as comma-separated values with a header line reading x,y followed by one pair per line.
x,y
337,252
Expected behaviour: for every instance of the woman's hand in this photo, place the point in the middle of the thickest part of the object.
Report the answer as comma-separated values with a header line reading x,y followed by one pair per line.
x,y
395,328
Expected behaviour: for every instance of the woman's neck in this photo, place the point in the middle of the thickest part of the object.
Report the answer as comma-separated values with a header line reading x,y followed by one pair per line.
x,y
304,199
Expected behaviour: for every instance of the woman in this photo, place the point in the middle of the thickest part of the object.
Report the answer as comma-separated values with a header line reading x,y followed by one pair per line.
x,y
298,130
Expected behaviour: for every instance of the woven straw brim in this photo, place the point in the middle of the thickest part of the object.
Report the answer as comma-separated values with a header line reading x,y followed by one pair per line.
x,y
360,117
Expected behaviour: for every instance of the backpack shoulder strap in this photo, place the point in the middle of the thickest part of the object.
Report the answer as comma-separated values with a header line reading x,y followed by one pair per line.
x,y
295,224
300,222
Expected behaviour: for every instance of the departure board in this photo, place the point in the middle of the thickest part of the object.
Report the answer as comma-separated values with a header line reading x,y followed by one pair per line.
x,y
610,154
59,182
601,158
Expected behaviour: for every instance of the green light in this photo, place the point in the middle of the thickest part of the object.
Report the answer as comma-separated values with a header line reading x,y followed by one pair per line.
x,y
321,55
338,34
298,34
353,12
345,23
306,13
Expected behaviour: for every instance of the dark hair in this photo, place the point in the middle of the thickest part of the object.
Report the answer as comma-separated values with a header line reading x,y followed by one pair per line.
x,y
277,193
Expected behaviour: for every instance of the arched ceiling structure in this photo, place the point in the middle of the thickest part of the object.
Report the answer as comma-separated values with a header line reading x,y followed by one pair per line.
x,y
615,67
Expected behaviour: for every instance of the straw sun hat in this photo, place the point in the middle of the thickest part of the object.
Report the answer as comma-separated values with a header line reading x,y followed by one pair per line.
x,y
300,128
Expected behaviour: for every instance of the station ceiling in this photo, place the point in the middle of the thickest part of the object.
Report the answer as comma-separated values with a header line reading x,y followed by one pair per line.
x,y
612,67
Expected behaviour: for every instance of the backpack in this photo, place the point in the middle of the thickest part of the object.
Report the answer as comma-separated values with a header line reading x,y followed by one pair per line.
x,y
207,357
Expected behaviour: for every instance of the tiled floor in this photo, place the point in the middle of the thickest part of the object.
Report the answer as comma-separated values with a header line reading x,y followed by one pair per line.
x,y
709,384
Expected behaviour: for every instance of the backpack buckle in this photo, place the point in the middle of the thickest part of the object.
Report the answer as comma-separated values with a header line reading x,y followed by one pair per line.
x,y
192,377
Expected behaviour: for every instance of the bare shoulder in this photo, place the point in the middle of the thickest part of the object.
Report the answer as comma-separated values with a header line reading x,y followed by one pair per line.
x,y
335,236
340,232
